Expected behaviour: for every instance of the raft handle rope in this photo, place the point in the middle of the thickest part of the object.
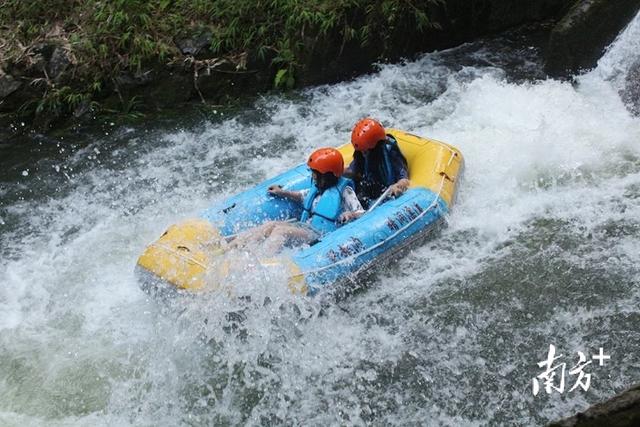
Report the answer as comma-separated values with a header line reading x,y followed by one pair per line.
x,y
380,199
180,254
380,243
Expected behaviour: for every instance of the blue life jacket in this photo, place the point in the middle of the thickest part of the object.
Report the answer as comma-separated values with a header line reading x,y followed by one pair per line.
x,y
387,168
325,215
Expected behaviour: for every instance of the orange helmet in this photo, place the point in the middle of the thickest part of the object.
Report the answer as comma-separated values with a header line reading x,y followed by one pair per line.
x,y
366,134
326,160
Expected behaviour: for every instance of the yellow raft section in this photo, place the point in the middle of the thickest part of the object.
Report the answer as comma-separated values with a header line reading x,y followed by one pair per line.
x,y
183,256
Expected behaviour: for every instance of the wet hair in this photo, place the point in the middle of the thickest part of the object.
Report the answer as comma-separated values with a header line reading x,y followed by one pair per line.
x,y
376,156
367,190
326,180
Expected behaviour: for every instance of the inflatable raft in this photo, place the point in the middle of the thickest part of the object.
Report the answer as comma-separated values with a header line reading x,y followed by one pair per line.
x,y
184,257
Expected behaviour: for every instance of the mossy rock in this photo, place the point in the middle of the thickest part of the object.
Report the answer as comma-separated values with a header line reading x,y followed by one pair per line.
x,y
580,38
622,410
478,17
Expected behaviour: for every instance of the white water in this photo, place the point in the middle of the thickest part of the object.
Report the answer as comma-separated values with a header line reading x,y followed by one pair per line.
x,y
542,248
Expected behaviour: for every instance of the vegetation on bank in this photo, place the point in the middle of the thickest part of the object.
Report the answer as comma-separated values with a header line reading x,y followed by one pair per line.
x,y
70,53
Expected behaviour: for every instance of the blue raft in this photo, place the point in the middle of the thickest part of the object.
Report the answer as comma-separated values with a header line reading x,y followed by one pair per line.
x,y
184,253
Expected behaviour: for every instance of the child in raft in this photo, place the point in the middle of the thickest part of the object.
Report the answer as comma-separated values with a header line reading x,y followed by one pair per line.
x,y
330,202
377,162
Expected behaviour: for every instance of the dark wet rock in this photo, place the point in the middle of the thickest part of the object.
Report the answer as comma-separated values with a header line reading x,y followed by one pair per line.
x,y
83,108
176,88
221,80
36,66
580,38
16,90
154,89
44,48
58,63
8,85
631,92
126,80
194,45
622,410
329,58
477,17
39,63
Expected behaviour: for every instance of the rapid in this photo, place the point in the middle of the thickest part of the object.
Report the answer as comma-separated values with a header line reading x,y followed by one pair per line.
x,y
542,247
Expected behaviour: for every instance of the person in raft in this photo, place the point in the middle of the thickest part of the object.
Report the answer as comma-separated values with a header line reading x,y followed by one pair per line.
x,y
377,163
328,203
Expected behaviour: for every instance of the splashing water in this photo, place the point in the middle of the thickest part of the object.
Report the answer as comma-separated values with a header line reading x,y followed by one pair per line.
x,y
542,248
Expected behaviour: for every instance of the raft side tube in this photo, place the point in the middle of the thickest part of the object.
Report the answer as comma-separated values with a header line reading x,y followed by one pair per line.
x,y
363,241
254,206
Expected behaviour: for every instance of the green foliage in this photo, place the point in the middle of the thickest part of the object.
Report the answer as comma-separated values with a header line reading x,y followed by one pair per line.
x,y
284,79
56,101
130,109
107,37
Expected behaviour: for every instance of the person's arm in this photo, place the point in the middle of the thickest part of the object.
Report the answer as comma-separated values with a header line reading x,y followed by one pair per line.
x,y
276,190
351,171
352,208
401,172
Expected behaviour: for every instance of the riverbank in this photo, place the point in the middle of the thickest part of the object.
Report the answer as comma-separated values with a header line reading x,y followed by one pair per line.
x,y
63,62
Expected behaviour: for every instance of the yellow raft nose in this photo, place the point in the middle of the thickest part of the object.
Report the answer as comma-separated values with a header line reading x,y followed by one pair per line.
x,y
189,256
183,254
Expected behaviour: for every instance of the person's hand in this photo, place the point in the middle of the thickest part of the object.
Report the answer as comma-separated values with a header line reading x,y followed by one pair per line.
x,y
398,188
275,190
348,216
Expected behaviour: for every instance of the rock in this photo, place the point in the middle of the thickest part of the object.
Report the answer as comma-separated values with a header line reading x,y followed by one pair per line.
x,y
631,93
477,17
8,85
154,89
221,80
127,80
40,55
622,410
171,88
579,39
194,45
23,95
44,48
83,108
328,58
58,63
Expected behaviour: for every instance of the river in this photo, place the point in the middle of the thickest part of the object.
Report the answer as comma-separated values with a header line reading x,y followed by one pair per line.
x,y
542,248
